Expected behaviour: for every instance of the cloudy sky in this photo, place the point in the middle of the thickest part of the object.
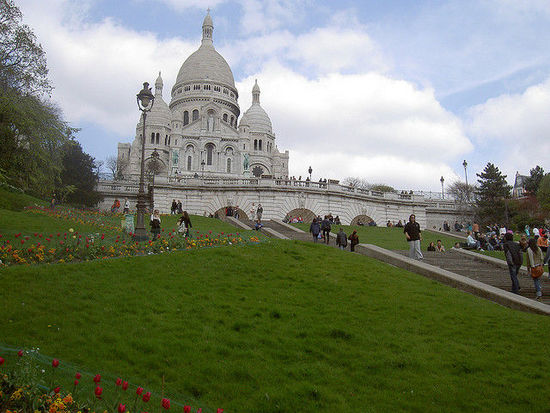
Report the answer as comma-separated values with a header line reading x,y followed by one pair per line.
x,y
397,92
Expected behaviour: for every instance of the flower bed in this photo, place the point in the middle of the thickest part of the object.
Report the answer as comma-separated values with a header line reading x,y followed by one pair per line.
x,y
71,246
27,385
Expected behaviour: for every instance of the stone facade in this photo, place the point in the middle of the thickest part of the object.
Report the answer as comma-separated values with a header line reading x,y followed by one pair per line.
x,y
198,133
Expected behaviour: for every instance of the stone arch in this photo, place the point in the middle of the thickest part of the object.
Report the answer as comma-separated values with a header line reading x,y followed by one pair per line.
x,y
364,219
243,216
306,214
258,169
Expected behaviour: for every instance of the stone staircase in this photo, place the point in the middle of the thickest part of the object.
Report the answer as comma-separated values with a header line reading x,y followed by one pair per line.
x,y
486,272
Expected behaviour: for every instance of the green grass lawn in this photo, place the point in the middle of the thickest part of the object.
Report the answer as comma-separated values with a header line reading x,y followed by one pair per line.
x,y
390,238
281,326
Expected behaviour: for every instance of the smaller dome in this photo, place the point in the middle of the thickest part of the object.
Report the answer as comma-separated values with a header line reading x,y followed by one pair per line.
x,y
160,114
256,117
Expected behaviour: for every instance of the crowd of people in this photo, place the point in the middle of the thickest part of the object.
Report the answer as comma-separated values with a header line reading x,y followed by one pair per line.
x,y
320,230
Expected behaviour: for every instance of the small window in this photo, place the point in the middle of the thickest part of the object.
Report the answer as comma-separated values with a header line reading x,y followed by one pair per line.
x,y
244,146
195,115
187,88
176,142
225,92
197,87
232,120
217,88
232,95
206,87
255,144
158,138
228,165
179,90
152,138
260,145
185,118
166,140
225,117
189,161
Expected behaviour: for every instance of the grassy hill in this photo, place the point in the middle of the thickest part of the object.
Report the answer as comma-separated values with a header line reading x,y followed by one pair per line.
x,y
281,326
278,326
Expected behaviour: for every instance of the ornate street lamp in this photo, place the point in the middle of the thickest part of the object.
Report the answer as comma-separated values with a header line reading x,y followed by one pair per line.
x,y
442,180
145,100
465,165
310,171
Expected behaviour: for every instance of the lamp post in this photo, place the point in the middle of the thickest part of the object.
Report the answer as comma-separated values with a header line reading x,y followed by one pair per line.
x,y
145,100
465,165
310,171
202,167
442,180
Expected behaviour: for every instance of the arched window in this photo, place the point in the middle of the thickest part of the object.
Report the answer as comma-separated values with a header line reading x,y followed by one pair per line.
x,y
255,144
260,145
195,115
166,140
189,161
232,120
185,118
153,137
158,137
228,165
209,153
225,117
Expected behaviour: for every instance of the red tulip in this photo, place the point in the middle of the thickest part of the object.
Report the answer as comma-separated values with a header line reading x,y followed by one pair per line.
x,y
166,403
97,378
147,397
118,382
121,408
139,391
56,390
20,353
55,363
1,361
220,411
125,385
76,382
200,410
187,409
98,390
77,376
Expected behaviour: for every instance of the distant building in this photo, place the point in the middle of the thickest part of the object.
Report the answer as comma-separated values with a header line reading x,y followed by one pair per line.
x,y
199,133
519,186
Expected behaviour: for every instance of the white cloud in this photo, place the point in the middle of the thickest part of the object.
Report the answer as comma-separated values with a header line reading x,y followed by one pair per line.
x,y
367,125
514,129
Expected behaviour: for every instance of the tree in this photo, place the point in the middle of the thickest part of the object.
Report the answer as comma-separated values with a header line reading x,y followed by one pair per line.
x,y
464,196
22,60
543,194
491,195
381,188
355,182
533,181
116,166
79,172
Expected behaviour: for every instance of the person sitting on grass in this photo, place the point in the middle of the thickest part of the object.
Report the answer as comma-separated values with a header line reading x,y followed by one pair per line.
x,y
431,247
258,225
439,246
473,243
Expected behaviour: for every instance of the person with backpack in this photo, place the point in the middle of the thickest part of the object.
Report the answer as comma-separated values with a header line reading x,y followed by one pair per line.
x,y
534,265
315,229
341,239
514,259
325,227
354,240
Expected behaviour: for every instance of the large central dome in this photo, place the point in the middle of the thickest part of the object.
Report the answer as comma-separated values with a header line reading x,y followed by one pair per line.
x,y
206,62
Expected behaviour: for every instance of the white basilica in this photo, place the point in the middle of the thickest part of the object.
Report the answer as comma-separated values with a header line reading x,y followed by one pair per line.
x,y
198,133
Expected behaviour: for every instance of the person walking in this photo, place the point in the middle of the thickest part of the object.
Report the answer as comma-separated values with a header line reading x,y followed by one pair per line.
x,y
155,224
259,212
534,265
354,240
184,224
414,236
514,259
174,207
315,229
341,239
326,227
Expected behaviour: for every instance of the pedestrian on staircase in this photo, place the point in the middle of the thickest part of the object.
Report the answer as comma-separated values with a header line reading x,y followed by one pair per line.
x,y
325,227
514,259
534,265
341,239
414,236
315,229
354,240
